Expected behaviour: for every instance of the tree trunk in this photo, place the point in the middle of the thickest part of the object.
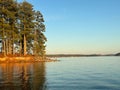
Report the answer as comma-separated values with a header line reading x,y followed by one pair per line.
x,y
9,47
24,45
4,51
6,44
20,47
3,39
13,44
35,40
3,45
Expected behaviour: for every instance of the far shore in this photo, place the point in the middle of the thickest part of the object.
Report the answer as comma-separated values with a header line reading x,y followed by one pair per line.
x,y
81,55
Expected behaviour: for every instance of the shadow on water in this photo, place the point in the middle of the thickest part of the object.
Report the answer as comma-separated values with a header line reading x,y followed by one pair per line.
x,y
22,76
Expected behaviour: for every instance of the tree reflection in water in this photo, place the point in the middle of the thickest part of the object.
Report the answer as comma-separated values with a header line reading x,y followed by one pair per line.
x,y
22,76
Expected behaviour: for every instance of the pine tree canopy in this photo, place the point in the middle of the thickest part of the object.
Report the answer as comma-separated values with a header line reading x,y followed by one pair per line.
x,y
21,29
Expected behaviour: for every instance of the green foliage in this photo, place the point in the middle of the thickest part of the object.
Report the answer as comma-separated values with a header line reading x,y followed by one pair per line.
x,y
22,27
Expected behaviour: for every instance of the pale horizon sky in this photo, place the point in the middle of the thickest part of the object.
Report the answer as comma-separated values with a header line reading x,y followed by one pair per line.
x,y
81,26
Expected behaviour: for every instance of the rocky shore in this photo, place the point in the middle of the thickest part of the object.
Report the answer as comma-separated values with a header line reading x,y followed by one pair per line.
x,y
20,59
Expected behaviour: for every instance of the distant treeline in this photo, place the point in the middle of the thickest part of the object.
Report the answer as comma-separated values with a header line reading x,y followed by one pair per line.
x,y
118,54
70,55
21,29
81,55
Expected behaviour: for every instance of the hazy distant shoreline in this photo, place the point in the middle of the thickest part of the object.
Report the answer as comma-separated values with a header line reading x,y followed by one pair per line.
x,y
81,55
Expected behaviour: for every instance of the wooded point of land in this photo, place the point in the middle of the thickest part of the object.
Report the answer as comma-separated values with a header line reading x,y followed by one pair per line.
x,y
21,29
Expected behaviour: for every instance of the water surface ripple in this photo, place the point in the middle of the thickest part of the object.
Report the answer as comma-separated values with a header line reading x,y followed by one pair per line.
x,y
84,73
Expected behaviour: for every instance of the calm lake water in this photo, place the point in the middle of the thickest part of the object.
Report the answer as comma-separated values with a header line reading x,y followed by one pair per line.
x,y
77,73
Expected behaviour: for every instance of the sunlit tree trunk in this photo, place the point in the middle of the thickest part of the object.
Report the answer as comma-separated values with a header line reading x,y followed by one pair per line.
x,y
6,43
24,44
9,47
4,48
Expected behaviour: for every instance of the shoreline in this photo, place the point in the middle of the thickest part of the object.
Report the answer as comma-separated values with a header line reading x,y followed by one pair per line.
x,y
25,59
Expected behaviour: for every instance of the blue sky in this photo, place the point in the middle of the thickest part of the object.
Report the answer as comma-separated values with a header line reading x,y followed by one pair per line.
x,y
81,26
